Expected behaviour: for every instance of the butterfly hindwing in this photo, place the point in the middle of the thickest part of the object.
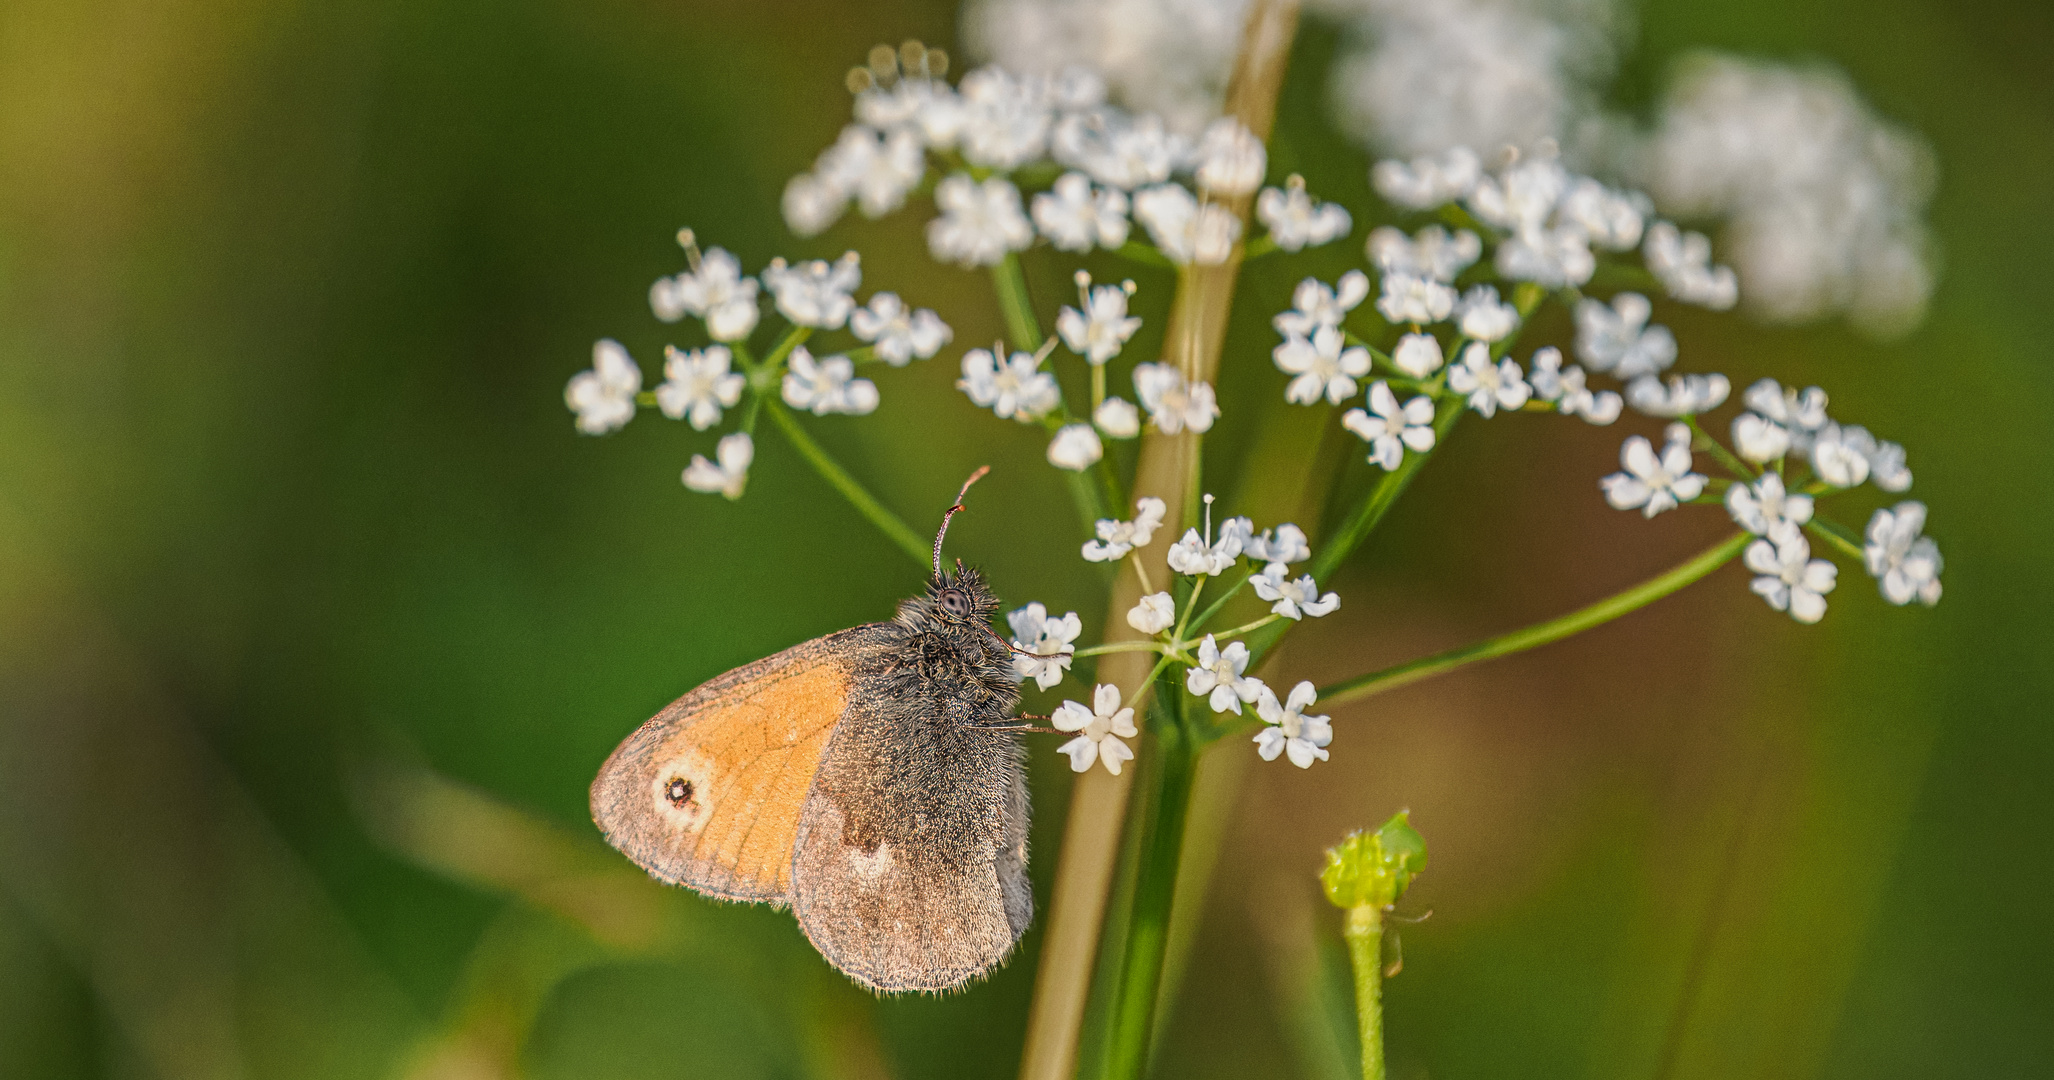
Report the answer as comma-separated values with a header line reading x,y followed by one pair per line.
x,y
709,792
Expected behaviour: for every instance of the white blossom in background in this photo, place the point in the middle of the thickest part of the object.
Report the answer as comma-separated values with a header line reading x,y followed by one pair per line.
x,y
1525,199
1682,262
810,204
1824,201
980,221
1389,428
1006,118
1613,220
815,293
1905,564
697,385
1217,676
1290,732
876,168
1296,220
728,473
1075,216
1321,367
1683,395
604,397
1790,579
1616,339
1416,300
1164,56
1568,389
1099,728
1489,384
1014,388
1654,482
899,334
1043,649
1314,304
1174,403
1186,230
1117,418
1887,468
1117,149
1293,599
1075,447
1839,455
1117,538
827,385
1417,355
714,290
1433,253
1155,613
1765,504
1231,159
1100,328
1428,181
1279,548
1481,316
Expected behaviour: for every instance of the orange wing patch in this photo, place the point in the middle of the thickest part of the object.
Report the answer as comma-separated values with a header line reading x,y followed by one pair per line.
x,y
707,794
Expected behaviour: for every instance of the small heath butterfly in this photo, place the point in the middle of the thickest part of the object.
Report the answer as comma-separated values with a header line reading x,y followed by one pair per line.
x,y
871,779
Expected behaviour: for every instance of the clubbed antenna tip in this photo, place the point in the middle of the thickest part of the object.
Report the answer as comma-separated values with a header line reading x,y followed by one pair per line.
x,y
951,512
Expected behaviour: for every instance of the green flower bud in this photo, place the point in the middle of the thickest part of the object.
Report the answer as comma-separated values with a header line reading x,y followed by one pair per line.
x,y
1374,868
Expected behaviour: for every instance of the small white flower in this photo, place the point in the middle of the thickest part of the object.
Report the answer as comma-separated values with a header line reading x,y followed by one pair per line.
x,y
1015,388
1285,545
1077,217
1292,599
1433,253
1193,555
1117,538
1613,220
1427,182
815,293
877,167
810,204
1155,613
1321,366
1685,395
1304,738
1005,119
1101,328
1417,355
1483,317
897,333
1551,257
1653,482
1682,262
1231,160
697,385
1418,300
1906,565
1172,402
1118,149
1390,429
1314,305
1791,580
979,222
1075,447
1887,469
1118,418
733,454
1759,439
1218,677
604,397
1523,195
714,290
1047,644
1491,385
1185,230
1761,506
1568,390
1296,220
1617,338
1839,455
827,385
1799,413
1100,729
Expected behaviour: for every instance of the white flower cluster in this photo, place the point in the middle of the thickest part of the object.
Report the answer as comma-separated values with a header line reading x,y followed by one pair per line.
x,y
700,385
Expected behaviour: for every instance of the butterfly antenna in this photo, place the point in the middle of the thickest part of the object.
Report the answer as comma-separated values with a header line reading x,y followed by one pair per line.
x,y
951,512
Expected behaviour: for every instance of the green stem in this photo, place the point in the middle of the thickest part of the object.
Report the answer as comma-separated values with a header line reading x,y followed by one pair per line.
x,y
1014,303
1120,646
1604,611
897,531
1214,609
1371,510
1840,536
1365,933
1719,453
1162,844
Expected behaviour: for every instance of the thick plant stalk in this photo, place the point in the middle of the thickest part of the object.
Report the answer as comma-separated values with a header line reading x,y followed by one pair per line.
x,y
1364,930
1168,470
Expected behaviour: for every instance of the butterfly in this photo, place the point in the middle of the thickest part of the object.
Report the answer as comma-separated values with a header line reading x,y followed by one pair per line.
x,y
871,780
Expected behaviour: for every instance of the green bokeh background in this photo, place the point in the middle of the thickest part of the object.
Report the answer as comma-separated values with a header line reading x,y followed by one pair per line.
x,y
293,523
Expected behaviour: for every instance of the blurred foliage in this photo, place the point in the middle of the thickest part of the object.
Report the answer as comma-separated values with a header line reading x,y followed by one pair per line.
x,y
316,618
